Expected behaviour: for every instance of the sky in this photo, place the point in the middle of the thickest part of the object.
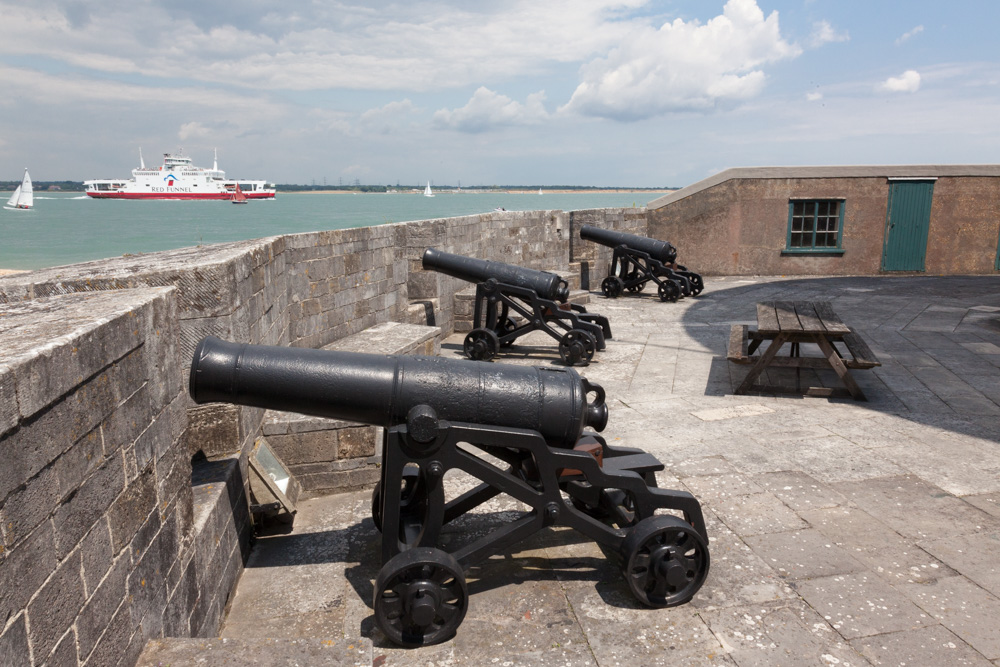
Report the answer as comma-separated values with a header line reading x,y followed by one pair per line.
x,y
535,92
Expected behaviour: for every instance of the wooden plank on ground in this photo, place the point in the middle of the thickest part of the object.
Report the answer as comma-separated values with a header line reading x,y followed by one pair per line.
x,y
830,319
767,320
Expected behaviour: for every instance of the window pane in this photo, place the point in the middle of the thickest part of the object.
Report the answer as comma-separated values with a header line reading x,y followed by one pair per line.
x,y
814,224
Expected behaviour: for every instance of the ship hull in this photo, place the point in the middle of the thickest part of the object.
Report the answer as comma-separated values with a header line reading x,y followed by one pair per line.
x,y
203,196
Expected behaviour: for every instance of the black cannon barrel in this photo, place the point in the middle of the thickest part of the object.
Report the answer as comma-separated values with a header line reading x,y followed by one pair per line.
x,y
380,389
545,284
661,251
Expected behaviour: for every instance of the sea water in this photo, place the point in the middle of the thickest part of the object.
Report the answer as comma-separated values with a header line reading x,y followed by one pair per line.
x,y
65,228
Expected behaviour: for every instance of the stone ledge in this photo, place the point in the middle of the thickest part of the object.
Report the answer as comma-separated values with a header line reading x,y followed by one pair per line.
x,y
272,652
391,338
330,455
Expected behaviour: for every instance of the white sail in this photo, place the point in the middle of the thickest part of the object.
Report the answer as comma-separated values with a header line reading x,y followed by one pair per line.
x,y
23,197
427,191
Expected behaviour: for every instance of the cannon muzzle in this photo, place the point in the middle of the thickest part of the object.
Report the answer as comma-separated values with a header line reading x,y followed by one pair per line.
x,y
381,390
662,251
547,285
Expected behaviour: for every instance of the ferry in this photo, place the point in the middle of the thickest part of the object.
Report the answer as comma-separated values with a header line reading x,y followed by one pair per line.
x,y
177,178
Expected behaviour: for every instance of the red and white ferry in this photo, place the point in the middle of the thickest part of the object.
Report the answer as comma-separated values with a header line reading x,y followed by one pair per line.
x,y
177,179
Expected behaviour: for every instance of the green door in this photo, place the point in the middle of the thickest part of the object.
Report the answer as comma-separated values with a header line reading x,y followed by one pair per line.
x,y
906,224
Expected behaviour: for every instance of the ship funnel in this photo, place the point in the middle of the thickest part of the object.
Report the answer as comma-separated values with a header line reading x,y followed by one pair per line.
x,y
215,164
142,165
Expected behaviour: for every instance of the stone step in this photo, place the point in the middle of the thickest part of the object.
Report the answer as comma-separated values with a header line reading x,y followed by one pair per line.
x,y
270,652
222,532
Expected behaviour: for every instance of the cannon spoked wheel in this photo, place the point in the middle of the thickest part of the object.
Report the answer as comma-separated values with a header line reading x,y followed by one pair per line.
x,y
412,497
577,347
481,344
697,285
666,561
669,291
612,287
506,326
420,597
635,287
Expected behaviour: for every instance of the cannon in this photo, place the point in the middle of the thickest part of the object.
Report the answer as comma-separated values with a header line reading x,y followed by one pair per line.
x,y
512,301
538,427
638,260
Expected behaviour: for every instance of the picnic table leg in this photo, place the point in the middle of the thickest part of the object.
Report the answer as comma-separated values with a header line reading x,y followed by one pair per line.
x,y
838,366
762,363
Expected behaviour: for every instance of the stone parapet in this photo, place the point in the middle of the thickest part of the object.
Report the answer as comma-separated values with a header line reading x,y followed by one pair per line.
x,y
108,537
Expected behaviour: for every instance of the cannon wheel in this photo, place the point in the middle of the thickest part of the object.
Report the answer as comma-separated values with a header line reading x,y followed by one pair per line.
x,y
577,347
481,344
666,561
506,326
612,287
420,597
412,497
669,291
635,287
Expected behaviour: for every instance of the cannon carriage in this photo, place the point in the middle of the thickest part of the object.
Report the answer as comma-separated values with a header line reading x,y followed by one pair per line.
x,y
638,260
529,433
512,301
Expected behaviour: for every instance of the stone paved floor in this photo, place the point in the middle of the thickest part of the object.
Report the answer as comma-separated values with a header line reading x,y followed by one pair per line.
x,y
841,532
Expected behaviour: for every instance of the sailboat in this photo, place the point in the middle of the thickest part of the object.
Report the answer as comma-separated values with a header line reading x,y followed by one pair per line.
x,y
23,197
238,196
539,191
427,191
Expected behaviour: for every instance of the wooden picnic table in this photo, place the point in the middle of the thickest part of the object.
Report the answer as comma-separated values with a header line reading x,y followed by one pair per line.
x,y
794,323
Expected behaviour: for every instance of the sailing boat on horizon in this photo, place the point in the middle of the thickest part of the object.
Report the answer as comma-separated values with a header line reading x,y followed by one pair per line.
x,y
427,191
23,198
238,196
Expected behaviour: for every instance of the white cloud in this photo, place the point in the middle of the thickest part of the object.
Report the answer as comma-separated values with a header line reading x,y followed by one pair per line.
x,y
907,35
418,47
193,130
683,66
824,33
907,82
814,97
387,119
487,109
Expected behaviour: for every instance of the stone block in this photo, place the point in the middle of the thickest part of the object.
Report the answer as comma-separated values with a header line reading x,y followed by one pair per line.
x,y
113,646
933,645
356,442
213,429
83,510
24,568
29,505
14,645
9,413
55,606
96,556
102,605
860,605
317,652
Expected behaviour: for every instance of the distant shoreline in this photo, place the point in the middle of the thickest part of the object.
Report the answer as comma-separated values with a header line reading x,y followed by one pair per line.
x,y
476,191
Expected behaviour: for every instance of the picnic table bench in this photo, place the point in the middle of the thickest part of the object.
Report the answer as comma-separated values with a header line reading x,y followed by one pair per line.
x,y
797,322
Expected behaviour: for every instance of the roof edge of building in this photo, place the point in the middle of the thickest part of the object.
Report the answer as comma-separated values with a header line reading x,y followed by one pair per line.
x,y
843,171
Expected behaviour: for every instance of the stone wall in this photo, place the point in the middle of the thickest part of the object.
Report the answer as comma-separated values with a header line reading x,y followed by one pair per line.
x,y
95,489
124,506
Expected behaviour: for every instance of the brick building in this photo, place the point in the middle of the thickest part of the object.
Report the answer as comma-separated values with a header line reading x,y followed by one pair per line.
x,y
850,220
